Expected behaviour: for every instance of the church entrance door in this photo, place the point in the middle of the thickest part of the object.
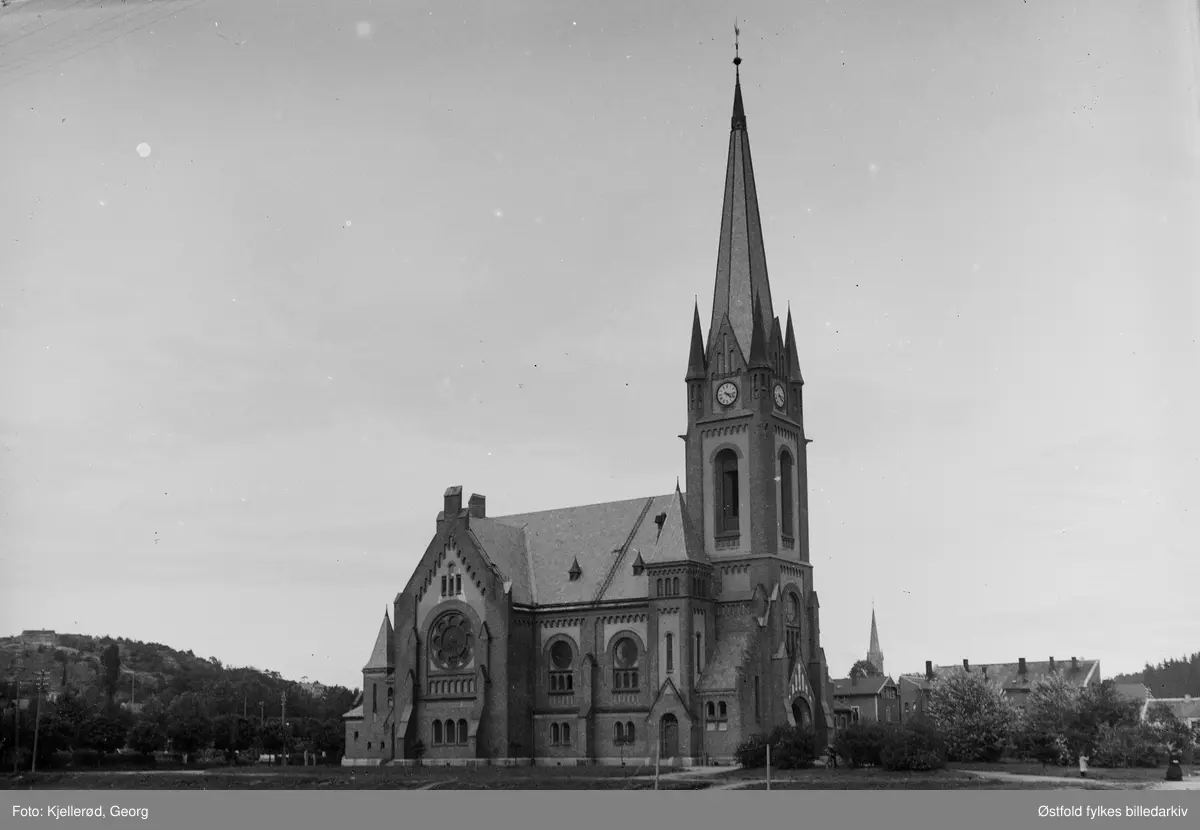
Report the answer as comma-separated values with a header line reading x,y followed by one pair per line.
x,y
801,714
668,731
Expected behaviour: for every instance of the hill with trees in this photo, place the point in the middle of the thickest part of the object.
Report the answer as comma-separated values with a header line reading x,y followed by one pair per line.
x,y
102,694
1170,678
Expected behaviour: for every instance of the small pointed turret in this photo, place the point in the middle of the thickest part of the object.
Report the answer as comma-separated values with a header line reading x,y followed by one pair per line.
x,y
759,359
381,655
789,346
697,364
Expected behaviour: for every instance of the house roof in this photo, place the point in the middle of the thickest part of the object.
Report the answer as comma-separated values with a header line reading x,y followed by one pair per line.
x,y
1009,676
1184,708
1133,691
354,714
733,648
865,686
537,551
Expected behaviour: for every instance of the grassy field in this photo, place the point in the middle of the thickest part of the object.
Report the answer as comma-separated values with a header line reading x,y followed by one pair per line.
x,y
560,778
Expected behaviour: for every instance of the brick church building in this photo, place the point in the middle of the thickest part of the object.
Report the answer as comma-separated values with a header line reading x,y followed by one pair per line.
x,y
670,626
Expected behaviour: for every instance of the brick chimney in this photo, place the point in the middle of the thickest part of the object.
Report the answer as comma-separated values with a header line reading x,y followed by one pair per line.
x,y
1052,665
853,679
1021,667
477,506
1074,664
929,670
453,501
984,669
966,665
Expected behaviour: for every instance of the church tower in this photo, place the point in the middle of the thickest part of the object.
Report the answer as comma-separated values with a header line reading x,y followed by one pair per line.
x,y
746,463
874,654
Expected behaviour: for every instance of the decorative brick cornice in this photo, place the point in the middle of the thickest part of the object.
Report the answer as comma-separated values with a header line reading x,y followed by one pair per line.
x,y
624,619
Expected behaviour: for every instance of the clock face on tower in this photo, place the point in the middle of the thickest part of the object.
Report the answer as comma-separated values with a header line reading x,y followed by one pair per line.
x,y
780,396
727,393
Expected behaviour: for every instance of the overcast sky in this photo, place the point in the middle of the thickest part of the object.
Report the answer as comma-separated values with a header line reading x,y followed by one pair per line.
x,y
274,275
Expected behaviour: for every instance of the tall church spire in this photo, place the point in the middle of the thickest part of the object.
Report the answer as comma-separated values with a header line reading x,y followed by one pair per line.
x,y
875,655
741,257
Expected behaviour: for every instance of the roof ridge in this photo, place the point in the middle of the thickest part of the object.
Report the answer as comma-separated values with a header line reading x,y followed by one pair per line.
x,y
623,551
501,519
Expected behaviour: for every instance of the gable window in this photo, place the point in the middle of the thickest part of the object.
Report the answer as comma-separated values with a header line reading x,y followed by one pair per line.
x,y
625,665
562,678
726,508
670,653
451,582
786,507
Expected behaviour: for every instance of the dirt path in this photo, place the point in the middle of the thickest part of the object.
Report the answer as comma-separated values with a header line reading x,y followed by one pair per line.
x,y
1057,779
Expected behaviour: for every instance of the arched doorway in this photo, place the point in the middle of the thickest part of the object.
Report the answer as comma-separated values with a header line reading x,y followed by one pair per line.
x,y
668,737
801,713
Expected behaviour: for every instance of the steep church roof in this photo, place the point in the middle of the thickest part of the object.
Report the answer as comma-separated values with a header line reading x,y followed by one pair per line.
x,y
741,255
537,551
381,655
874,653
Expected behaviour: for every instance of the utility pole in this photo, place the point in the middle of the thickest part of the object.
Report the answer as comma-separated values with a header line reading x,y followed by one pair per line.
x,y
283,718
17,726
37,717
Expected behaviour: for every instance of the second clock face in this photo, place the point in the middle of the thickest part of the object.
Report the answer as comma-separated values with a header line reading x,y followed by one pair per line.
x,y
727,393
780,396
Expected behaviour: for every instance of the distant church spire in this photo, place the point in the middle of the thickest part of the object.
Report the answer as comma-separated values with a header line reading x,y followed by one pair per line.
x,y
741,256
875,654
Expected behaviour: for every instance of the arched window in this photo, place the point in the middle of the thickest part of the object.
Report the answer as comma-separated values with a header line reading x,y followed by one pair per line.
x,y
566,734
629,733
437,732
562,678
450,736
368,744
554,734
723,711
356,736
793,615
670,652
712,710
374,698
462,731
660,586
726,508
625,665
699,653
618,733
786,500
675,586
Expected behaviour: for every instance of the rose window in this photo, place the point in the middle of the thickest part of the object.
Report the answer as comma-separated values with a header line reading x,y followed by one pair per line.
x,y
450,641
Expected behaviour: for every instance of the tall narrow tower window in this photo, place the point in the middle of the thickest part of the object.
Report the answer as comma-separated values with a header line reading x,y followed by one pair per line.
x,y
727,492
670,652
786,505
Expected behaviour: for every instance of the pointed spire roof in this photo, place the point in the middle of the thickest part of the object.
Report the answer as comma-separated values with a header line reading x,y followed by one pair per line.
x,y
741,256
697,364
789,346
381,655
875,654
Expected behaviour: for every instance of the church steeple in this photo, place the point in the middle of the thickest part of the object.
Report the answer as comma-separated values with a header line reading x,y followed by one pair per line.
x,y
875,654
741,256
697,363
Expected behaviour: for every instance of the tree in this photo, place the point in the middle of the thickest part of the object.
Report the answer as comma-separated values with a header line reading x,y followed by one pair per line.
x,y
146,736
232,734
1051,709
103,734
188,726
971,714
110,663
864,668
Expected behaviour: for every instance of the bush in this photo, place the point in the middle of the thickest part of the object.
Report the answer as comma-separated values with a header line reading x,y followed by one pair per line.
x,y
916,747
861,744
85,759
791,748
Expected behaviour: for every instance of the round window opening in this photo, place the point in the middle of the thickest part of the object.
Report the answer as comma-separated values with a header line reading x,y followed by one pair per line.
x,y
560,655
626,653
450,641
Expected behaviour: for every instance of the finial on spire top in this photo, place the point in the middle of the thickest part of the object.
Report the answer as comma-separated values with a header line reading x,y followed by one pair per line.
x,y
737,60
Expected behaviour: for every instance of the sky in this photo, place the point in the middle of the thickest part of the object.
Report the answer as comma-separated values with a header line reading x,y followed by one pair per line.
x,y
275,275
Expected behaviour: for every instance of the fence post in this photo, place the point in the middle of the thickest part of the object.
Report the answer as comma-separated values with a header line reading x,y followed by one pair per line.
x,y
768,767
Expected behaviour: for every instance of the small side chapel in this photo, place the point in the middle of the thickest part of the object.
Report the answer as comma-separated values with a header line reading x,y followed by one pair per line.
x,y
671,626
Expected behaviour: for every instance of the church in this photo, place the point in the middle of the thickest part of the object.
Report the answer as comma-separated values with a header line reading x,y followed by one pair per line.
x,y
668,627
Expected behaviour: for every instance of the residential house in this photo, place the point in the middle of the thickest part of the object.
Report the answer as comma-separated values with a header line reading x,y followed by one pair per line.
x,y
867,699
1014,679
